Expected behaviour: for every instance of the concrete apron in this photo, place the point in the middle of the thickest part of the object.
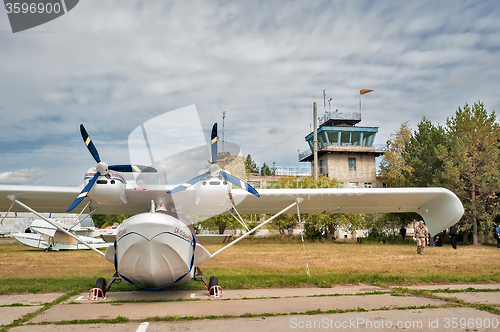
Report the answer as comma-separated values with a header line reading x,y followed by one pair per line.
x,y
271,301
30,302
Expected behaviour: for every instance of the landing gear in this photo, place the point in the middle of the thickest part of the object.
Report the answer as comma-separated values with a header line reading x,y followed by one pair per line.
x,y
101,284
101,287
99,291
213,287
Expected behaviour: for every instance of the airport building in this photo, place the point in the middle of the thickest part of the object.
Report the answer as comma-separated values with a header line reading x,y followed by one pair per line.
x,y
346,152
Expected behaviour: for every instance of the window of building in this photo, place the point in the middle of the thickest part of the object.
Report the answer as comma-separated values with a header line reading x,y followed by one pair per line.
x,y
321,166
333,137
353,185
368,185
321,141
352,163
368,139
356,139
345,138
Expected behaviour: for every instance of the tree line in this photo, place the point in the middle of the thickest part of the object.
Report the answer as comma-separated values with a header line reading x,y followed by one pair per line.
x,y
252,168
462,156
317,226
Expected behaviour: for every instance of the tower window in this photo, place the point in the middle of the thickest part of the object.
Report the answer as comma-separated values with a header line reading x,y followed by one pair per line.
x,y
352,163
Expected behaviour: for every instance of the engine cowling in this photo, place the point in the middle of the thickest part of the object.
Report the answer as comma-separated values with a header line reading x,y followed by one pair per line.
x,y
108,190
212,192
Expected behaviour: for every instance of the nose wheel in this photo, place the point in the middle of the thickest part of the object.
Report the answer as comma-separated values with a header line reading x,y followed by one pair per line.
x,y
101,287
99,291
214,290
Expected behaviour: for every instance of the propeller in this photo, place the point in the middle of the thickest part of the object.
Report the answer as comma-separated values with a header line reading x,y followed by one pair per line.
x,y
102,169
214,171
213,140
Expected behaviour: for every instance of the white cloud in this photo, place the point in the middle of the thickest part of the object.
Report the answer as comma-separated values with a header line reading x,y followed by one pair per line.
x,y
22,176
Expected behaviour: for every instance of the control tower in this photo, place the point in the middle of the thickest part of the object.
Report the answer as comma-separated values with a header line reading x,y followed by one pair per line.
x,y
345,152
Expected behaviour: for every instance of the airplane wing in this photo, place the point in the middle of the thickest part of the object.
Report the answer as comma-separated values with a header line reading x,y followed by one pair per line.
x,y
47,199
439,207
43,199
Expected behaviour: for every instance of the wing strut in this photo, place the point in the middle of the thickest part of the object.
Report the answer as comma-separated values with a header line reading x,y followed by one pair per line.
x,y
299,200
240,219
303,244
13,199
77,220
1,221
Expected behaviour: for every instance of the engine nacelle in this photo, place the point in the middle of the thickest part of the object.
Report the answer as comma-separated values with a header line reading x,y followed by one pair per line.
x,y
212,192
108,190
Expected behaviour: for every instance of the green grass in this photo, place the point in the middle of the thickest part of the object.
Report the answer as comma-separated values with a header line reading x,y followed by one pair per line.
x,y
248,279
262,263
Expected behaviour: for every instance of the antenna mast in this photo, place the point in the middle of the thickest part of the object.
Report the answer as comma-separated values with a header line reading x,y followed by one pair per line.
x,y
324,101
223,117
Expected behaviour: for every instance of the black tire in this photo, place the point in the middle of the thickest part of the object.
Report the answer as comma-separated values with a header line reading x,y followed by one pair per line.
x,y
213,282
101,284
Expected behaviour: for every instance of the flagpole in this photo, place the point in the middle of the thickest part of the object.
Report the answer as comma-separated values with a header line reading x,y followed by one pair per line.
x,y
362,92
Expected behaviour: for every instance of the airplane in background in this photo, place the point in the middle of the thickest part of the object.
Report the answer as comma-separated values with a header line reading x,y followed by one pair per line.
x,y
45,236
157,246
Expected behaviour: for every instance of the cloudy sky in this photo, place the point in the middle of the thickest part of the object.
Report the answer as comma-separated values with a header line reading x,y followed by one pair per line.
x,y
113,65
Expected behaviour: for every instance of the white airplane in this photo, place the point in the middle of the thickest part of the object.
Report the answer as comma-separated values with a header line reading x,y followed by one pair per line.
x,y
157,247
49,237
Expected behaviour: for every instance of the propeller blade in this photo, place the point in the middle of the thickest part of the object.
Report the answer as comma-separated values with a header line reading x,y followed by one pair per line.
x,y
214,143
133,168
240,183
84,193
88,142
188,183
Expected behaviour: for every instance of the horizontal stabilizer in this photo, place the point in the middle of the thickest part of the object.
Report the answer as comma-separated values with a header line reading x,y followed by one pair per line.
x,y
43,227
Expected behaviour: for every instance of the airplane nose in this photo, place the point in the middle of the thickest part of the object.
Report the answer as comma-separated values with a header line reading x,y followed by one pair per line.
x,y
154,250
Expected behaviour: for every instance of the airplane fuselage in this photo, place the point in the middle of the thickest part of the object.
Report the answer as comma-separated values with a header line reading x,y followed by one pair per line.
x,y
155,250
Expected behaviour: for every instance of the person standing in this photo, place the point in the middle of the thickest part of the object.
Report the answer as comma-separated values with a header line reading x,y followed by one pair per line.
x,y
421,234
497,231
453,235
402,231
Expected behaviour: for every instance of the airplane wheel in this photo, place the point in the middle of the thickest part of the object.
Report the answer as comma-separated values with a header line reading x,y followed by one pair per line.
x,y
213,282
101,283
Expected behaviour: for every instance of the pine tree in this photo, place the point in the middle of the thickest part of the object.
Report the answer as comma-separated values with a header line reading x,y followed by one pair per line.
x,y
421,155
265,170
250,165
471,162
